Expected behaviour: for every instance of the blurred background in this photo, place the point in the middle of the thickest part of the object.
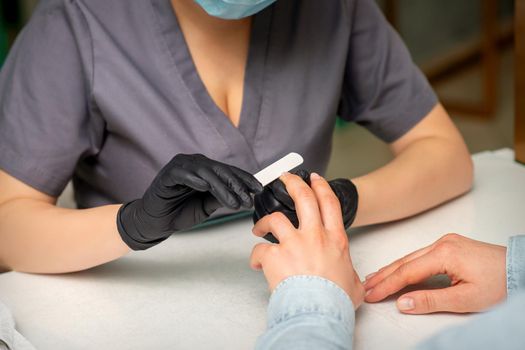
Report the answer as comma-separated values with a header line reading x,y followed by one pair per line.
x,y
464,47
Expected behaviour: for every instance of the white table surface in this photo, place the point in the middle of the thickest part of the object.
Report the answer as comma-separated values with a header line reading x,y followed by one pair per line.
x,y
196,290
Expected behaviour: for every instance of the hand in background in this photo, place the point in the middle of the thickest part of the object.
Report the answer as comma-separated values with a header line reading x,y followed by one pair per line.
x,y
477,271
319,246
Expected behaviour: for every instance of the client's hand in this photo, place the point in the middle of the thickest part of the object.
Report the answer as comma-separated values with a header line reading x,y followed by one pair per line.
x,y
275,198
476,270
318,247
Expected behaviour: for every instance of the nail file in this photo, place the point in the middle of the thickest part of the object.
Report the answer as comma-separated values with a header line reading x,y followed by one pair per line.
x,y
276,169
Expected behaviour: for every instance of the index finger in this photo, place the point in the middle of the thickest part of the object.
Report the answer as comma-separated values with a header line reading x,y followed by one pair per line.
x,y
388,269
305,200
328,203
412,272
259,253
276,223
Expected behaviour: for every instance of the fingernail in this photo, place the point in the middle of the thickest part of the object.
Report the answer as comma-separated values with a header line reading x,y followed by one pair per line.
x,y
314,176
405,304
285,173
369,276
368,292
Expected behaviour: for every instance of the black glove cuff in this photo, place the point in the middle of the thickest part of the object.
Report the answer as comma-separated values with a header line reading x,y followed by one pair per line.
x,y
346,192
130,234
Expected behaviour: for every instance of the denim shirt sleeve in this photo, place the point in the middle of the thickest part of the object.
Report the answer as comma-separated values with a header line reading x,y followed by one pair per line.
x,y
10,339
515,265
500,328
308,312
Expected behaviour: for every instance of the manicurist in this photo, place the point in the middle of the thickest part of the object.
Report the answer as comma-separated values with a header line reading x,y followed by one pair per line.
x,y
159,111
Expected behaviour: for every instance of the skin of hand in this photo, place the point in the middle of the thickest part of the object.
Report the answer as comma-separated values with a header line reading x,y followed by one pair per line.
x,y
274,198
477,271
318,247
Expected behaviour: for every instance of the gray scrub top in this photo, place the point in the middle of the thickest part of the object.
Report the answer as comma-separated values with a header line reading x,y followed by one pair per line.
x,y
106,92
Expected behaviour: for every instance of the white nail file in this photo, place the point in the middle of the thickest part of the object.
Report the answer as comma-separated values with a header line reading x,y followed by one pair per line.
x,y
276,169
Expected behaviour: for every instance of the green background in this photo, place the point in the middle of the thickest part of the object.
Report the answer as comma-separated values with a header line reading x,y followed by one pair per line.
x,y
3,39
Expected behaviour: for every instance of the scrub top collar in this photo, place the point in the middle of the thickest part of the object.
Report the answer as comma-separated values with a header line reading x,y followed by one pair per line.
x,y
236,138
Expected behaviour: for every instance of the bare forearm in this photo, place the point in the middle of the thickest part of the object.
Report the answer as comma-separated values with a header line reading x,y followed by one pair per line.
x,y
428,172
39,237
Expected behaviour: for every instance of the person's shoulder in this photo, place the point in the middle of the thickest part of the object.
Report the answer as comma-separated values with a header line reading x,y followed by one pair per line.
x,y
54,7
47,6
92,5
111,13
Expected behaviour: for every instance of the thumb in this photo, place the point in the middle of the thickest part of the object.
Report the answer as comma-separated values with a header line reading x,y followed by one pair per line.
x,y
452,299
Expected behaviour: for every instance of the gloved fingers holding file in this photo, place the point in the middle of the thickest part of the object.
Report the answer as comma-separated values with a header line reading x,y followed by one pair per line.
x,y
183,194
275,198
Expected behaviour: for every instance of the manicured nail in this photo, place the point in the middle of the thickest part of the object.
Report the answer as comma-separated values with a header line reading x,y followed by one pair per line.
x,y
314,176
405,304
369,276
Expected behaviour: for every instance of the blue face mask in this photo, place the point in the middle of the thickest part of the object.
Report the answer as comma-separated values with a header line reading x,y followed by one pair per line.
x,y
233,9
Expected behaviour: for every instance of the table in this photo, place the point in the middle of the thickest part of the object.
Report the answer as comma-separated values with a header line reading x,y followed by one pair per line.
x,y
196,290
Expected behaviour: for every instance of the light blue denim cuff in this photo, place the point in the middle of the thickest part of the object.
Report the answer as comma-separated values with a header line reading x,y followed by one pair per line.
x,y
9,337
515,265
309,295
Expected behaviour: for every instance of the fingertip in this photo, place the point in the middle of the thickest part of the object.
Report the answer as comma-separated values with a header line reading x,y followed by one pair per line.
x,y
373,295
257,186
253,185
405,304
366,284
232,203
367,292
246,199
319,181
370,275
367,296
370,282
258,256
315,177
256,230
256,266
284,175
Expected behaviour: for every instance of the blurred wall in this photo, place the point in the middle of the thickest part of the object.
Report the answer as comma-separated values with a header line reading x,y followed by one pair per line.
x,y
27,7
430,27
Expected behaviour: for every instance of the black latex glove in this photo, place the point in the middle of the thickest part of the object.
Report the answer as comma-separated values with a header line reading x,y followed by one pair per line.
x,y
275,198
184,193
